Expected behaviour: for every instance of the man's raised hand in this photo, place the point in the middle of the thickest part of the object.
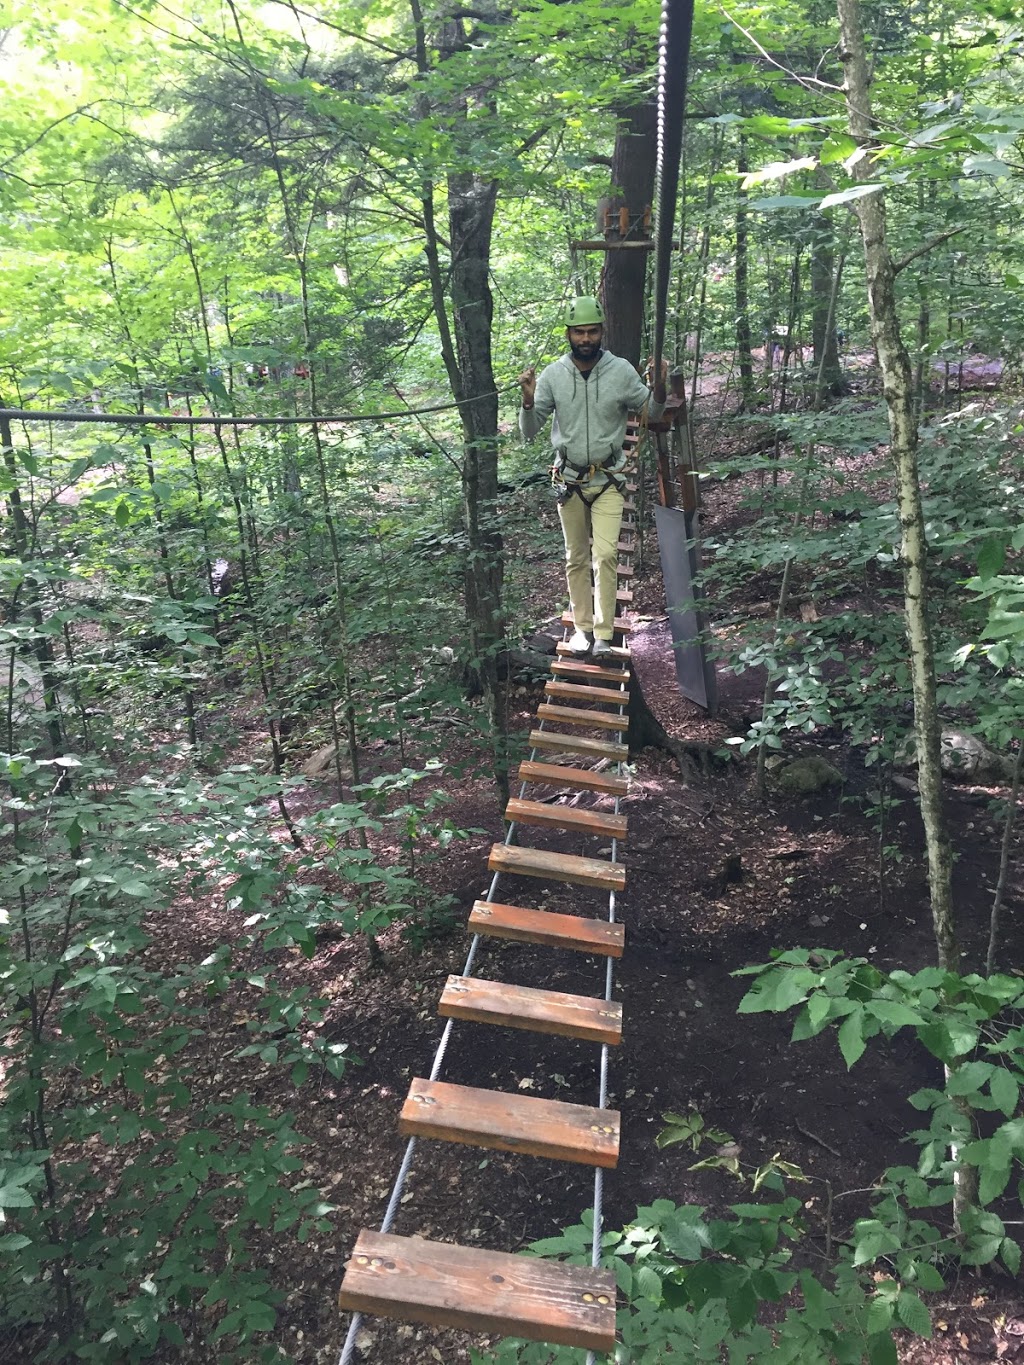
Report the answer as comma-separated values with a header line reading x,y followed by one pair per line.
x,y
528,384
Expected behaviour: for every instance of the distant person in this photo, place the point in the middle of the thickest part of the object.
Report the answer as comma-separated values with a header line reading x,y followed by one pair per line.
x,y
590,392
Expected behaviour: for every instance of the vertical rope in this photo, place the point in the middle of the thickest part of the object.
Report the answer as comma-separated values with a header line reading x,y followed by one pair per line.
x,y
673,63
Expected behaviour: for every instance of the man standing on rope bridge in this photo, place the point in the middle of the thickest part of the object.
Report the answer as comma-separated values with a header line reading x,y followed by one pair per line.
x,y
590,392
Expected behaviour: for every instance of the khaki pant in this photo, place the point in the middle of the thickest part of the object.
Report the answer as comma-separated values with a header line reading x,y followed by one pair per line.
x,y
592,538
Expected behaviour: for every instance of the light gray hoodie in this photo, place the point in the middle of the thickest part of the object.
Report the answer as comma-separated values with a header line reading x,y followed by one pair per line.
x,y
589,423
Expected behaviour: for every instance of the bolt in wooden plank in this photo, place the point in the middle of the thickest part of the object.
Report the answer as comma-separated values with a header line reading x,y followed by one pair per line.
x,y
522,924
557,867
607,696
596,822
578,744
524,1007
576,715
443,1285
511,1123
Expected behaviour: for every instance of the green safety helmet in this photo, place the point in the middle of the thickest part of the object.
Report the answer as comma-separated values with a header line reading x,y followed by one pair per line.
x,y
583,312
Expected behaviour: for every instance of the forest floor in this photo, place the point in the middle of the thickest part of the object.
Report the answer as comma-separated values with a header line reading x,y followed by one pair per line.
x,y
715,881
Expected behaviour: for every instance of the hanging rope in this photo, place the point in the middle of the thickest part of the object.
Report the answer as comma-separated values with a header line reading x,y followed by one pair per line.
x,y
673,65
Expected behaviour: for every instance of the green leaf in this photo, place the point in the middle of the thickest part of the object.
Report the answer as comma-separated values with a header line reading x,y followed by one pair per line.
x,y
853,192
851,1038
991,558
14,1197
122,513
1005,1091
784,201
1010,1252
913,1314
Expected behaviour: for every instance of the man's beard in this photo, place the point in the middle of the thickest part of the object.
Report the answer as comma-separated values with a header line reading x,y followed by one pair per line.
x,y
590,350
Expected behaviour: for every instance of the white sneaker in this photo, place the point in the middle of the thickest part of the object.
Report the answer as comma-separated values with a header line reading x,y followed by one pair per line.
x,y
580,642
602,648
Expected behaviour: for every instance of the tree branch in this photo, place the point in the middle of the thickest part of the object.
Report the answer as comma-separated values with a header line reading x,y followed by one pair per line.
x,y
923,250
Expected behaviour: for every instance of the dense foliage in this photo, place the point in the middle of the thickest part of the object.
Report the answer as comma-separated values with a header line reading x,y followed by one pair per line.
x,y
240,210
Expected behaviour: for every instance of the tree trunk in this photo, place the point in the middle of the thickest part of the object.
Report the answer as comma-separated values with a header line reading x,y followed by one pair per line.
x,y
894,363
625,270
823,334
743,351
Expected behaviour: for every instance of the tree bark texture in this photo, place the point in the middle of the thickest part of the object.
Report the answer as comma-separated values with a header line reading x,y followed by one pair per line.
x,y
625,271
894,364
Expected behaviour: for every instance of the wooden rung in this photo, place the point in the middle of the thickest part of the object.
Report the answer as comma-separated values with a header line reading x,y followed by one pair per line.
x,y
620,622
609,696
623,597
582,779
511,1123
525,1007
567,669
523,925
578,744
575,715
480,1291
597,822
557,867
625,570
626,547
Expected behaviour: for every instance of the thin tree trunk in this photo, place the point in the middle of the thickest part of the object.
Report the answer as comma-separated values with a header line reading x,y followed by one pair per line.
x,y
894,363
743,347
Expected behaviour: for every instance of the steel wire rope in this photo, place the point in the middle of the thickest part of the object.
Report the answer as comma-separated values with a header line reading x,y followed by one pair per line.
x,y
673,64
137,419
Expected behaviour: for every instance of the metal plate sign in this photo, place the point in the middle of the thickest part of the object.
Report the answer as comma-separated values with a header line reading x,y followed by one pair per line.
x,y
680,561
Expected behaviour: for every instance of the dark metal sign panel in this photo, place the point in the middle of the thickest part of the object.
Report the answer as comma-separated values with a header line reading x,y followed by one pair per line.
x,y
680,561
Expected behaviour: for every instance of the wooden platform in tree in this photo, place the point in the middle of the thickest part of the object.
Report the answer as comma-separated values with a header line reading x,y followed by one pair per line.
x,y
580,821
557,867
578,779
524,1007
511,1123
525,925
606,696
577,715
480,1291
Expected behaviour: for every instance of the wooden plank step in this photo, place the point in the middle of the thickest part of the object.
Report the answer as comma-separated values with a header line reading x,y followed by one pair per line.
x,y
511,1123
525,1007
582,779
524,925
626,547
579,669
623,597
598,822
578,744
609,696
576,715
625,570
480,1291
620,623
557,867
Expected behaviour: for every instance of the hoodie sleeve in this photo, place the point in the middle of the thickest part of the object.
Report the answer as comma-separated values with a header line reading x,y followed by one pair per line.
x,y
640,395
532,419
